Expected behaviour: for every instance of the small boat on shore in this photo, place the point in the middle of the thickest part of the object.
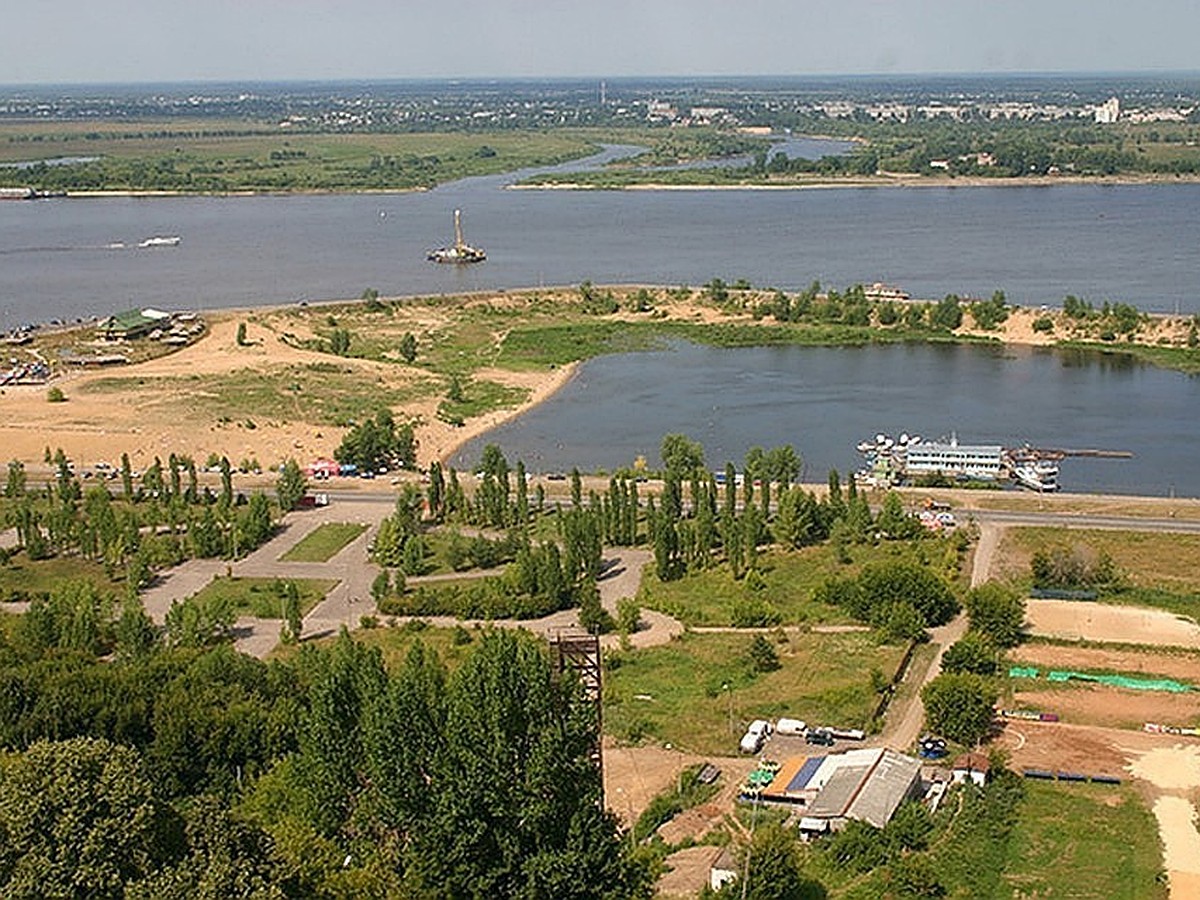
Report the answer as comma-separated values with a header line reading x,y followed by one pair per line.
x,y
161,241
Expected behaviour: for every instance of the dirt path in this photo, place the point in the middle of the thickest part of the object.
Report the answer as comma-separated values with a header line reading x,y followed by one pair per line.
x,y
990,535
903,727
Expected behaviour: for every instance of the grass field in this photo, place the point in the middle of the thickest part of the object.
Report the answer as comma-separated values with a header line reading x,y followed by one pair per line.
x,y
324,542
22,578
322,393
823,678
1052,854
710,597
1157,570
260,597
209,156
1028,840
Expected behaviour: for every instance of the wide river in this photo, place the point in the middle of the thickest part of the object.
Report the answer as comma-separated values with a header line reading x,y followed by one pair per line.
x,y
1129,243
1132,243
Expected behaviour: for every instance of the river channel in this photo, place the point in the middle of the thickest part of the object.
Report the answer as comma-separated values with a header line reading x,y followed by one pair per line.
x,y
1132,243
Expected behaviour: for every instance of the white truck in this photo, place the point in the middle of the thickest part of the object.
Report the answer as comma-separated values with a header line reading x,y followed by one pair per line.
x,y
756,735
794,727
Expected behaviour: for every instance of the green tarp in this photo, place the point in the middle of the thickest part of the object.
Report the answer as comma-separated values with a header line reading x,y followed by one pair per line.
x,y
1121,681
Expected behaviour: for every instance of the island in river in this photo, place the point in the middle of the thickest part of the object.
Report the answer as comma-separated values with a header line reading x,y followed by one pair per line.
x,y
458,366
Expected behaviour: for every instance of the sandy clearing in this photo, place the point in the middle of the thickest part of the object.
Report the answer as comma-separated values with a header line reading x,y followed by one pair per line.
x,y
689,871
1118,624
1171,768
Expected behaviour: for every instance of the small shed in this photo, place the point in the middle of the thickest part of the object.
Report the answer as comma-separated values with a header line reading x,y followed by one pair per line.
x,y
723,870
971,767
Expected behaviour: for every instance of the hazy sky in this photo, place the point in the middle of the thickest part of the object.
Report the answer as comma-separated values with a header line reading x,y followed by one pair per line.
x,y
175,40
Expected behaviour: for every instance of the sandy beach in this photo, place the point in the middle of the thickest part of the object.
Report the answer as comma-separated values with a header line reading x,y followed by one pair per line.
x,y
171,404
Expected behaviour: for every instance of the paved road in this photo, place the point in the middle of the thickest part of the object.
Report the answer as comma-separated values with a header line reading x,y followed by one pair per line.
x,y
1071,520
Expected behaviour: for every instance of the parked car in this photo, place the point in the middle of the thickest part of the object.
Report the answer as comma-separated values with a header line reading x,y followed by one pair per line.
x,y
755,736
822,736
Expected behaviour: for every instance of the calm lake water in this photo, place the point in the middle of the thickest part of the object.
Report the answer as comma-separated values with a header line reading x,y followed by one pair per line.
x,y
823,401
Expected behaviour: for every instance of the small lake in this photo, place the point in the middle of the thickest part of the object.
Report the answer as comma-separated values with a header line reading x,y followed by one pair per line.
x,y
823,401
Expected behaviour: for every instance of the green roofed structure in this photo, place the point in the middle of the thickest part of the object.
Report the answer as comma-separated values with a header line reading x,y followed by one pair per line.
x,y
132,323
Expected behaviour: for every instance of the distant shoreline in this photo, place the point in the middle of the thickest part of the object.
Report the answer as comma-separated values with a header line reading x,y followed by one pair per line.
x,y
913,181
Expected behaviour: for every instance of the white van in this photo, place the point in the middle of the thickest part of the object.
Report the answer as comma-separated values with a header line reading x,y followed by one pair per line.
x,y
794,727
755,736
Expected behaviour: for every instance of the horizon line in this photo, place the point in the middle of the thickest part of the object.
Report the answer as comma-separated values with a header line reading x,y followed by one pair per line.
x,y
500,79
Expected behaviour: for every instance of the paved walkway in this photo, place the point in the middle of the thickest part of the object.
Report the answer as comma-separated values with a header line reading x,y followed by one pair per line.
x,y
350,598
349,567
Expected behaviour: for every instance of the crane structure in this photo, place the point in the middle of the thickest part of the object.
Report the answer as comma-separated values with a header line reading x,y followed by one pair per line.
x,y
461,252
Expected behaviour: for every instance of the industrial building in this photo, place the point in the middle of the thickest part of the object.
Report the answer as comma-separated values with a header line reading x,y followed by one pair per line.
x,y
868,785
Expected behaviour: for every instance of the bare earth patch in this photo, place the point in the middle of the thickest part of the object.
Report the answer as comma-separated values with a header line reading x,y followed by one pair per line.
x,y
1112,707
1117,624
1181,665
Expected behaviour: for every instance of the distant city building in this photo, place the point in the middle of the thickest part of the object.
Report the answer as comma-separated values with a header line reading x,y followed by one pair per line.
x,y
1108,112
660,109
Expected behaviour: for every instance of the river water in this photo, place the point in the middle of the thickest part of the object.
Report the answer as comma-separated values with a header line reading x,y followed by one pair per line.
x,y
1132,243
823,401
1126,243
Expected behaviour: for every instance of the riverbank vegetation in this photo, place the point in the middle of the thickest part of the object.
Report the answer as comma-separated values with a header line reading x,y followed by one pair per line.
x,y
222,157
1145,569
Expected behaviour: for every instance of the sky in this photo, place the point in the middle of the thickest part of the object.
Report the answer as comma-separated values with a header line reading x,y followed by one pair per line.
x,y
105,41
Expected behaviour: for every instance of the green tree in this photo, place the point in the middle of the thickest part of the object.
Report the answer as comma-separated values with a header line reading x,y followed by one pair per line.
x,y
293,623
339,342
408,347
762,655
241,334
681,456
291,485
126,477
998,612
381,586
528,822
947,313
959,706
898,582
135,632
378,442
14,487
973,652
772,870
78,818
224,857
